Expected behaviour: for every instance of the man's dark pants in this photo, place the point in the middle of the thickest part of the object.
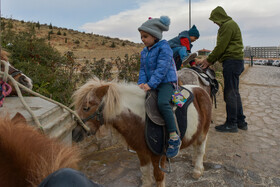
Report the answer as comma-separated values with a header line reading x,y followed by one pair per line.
x,y
232,69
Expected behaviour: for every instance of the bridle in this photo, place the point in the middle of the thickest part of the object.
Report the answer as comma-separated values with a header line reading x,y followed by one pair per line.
x,y
12,71
98,114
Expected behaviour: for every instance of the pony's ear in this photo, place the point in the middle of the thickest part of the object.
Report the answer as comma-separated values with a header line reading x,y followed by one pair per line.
x,y
101,91
18,118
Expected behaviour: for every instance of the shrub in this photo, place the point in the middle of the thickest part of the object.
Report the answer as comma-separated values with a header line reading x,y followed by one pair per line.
x,y
53,75
113,45
128,68
102,69
3,23
38,25
10,24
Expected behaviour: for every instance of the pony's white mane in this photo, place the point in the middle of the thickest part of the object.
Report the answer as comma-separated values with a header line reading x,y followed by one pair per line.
x,y
85,92
120,97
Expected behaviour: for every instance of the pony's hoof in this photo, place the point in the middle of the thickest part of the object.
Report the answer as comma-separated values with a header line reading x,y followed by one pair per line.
x,y
161,184
196,175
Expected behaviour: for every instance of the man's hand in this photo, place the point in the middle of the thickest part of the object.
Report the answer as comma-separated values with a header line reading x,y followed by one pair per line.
x,y
204,64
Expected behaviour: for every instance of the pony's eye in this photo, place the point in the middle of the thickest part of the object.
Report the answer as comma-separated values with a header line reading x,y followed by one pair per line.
x,y
86,109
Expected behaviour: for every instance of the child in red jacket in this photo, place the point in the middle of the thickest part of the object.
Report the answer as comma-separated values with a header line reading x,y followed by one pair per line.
x,y
181,47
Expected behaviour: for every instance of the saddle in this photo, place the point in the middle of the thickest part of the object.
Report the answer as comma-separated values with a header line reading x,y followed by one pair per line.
x,y
207,77
155,131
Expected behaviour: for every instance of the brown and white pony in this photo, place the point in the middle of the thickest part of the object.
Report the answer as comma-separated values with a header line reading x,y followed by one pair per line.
x,y
122,106
27,156
15,73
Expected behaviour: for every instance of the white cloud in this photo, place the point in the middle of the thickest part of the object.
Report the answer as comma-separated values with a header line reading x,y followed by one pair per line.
x,y
255,18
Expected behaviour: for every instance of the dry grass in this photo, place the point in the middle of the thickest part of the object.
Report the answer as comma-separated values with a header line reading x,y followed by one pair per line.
x,y
83,45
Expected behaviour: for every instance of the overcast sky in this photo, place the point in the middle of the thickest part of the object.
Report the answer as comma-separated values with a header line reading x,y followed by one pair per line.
x,y
258,19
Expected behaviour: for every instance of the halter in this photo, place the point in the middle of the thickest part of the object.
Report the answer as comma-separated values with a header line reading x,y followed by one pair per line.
x,y
98,114
12,71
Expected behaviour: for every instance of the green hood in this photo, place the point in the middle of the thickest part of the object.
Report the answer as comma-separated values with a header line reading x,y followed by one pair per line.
x,y
219,16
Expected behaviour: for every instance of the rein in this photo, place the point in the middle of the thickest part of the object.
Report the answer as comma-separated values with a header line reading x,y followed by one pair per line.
x,y
98,114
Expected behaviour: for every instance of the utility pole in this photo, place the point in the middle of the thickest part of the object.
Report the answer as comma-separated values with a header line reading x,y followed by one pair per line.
x,y
190,15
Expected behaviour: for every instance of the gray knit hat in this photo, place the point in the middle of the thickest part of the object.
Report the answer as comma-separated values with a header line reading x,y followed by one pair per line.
x,y
156,26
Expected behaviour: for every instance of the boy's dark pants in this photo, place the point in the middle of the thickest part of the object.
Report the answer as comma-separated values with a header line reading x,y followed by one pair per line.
x,y
165,92
232,69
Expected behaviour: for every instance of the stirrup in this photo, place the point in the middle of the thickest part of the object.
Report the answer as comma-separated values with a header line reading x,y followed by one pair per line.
x,y
169,169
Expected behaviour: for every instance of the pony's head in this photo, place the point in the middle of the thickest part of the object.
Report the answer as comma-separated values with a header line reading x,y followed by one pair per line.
x,y
93,104
99,102
15,73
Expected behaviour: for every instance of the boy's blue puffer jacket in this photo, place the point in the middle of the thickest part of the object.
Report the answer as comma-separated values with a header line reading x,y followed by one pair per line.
x,y
157,65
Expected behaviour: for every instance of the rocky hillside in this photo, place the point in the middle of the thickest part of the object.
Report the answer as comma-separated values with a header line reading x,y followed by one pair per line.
x,y
83,45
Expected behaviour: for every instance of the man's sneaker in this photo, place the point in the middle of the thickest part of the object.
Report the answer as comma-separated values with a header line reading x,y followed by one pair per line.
x,y
227,127
242,125
173,148
189,58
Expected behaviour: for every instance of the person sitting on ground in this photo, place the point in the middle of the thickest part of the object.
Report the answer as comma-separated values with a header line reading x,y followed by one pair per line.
x,y
181,47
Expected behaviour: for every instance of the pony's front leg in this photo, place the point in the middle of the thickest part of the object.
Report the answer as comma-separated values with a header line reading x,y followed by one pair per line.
x,y
158,174
145,168
198,165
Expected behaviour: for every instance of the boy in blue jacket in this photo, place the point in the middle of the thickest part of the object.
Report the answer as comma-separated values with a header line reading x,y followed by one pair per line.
x,y
158,71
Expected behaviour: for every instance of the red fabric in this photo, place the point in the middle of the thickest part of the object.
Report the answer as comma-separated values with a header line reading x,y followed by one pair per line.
x,y
185,42
192,63
5,90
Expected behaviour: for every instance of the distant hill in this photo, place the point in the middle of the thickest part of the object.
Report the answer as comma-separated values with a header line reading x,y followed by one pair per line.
x,y
83,45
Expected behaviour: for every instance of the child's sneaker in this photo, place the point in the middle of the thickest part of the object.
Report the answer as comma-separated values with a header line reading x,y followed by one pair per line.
x,y
173,147
189,58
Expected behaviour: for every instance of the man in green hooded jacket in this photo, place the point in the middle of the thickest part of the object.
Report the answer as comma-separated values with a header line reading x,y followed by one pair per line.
x,y
229,51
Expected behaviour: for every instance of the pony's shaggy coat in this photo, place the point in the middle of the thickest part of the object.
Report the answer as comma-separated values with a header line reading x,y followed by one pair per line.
x,y
124,110
27,156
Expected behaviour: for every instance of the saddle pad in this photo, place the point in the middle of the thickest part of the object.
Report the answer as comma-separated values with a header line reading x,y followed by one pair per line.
x,y
155,137
186,71
155,134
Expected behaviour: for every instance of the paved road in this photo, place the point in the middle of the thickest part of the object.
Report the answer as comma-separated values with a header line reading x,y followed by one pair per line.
x,y
246,158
